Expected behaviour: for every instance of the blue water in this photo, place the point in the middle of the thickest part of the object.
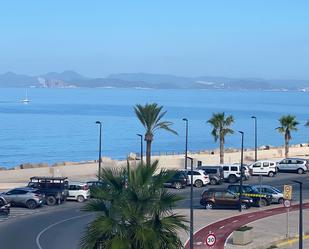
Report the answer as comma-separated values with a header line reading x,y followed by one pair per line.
x,y
59,124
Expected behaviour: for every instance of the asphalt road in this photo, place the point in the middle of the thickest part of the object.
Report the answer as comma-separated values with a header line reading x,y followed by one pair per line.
x,y
63,226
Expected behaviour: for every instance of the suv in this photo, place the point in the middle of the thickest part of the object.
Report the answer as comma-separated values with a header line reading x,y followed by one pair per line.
x,y
54,188
232,173
78,191
28,197
259,199
200,178
298,165
276,194
178,181
223,198
215,173
267,168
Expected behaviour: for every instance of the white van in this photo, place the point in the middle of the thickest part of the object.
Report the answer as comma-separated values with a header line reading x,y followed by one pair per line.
x,y
264,167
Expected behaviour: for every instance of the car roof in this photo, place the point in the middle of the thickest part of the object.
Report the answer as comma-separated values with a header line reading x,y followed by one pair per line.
x,y
209,166
216,189
77,183
26,189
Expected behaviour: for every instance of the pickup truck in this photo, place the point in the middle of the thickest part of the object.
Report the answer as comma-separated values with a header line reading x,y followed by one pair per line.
x,y
55,189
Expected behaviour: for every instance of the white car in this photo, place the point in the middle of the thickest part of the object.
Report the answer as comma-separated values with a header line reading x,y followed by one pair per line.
x,y
78,191
276,193
232,172
264,167
200,178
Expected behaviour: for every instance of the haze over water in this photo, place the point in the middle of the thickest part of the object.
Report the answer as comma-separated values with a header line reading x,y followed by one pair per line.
x,y
59,124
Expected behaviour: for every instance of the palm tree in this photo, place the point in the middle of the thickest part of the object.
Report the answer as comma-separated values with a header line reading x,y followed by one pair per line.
x,y
135,215
220,125
288,123
150,116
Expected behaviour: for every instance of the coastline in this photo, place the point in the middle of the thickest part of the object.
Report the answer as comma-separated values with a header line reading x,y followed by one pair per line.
x,y
87,170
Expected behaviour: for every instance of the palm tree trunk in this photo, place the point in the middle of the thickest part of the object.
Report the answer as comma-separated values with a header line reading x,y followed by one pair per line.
x,y
221,151
286,147
148,152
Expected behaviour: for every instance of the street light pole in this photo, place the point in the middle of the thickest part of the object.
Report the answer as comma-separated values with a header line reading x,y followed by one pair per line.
x,y
255,136
191,204
186,147
300,223
241,167
141,136
100,143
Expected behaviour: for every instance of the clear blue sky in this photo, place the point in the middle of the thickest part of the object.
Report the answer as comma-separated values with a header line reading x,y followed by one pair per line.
x,y
258,38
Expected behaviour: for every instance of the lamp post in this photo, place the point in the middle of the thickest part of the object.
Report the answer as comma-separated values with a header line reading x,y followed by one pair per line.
x,y
100,143
191,203
241,167
141,136
186,146
255,136
300,223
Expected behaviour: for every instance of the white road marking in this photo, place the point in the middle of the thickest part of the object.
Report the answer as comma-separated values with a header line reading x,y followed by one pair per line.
x,y
37,239
234,221
250,216
221,227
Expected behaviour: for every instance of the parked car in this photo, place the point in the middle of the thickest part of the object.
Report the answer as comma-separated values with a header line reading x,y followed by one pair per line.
x,y
27,197
200,178
93,185
259,199
298,165
4,206
55,189
215,173
78,191
212,198
178,181
277,195
264,167
232,173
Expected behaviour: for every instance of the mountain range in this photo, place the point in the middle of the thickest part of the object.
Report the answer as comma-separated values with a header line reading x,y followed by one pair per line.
x,y
72,79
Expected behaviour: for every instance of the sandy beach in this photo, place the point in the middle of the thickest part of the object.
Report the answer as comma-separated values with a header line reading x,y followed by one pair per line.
x,y
83,171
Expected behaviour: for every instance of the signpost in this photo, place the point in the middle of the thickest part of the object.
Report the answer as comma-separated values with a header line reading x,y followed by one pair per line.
x,y
287,195
211,239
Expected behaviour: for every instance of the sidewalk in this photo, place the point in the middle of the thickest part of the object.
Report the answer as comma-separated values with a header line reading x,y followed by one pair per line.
x,y
266,231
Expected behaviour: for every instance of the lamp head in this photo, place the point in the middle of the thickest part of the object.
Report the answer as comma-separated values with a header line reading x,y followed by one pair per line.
x,y
98,122
241,132
140,135
253,117
184,119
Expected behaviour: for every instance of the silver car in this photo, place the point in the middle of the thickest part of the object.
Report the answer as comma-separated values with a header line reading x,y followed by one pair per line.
x,y
298,165
28,197
267,189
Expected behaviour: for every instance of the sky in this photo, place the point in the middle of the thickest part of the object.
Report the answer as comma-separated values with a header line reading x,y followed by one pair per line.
x,y
239,38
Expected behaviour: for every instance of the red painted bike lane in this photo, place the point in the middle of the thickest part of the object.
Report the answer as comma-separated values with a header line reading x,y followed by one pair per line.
x,y
222,229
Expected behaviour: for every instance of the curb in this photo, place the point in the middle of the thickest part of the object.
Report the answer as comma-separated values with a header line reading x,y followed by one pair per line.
x,y
290,241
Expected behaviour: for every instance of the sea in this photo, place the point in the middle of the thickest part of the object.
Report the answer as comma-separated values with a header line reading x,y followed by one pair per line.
x,y
59,124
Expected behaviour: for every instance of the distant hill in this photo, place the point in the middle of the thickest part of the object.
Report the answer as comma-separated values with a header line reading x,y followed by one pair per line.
x,y
69,79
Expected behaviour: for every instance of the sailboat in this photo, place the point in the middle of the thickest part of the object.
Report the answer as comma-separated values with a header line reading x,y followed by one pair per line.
x,y
25,100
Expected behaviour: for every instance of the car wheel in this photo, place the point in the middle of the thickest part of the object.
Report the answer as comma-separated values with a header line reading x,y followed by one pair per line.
x,y
281,200
198,183
209,205
1,202
300,171
51,200
262,203
213,181
271,174
80,198
31,204
177,185
232,179
244,206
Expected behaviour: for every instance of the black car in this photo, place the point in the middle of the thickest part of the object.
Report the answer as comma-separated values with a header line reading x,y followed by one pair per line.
x,y
55,189
4,206
259,199
179,180
215,174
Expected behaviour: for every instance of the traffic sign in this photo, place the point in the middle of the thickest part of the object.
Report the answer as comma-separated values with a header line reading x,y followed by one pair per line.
x,y
287,193
211,239
287,203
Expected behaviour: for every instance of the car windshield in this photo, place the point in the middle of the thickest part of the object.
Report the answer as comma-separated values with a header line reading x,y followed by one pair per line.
x,y
276,190
254,189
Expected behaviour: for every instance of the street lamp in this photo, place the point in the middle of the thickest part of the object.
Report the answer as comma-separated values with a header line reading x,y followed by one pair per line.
x,y
191,204
186,147
141,136
300,223
255,136
100,139
241,167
